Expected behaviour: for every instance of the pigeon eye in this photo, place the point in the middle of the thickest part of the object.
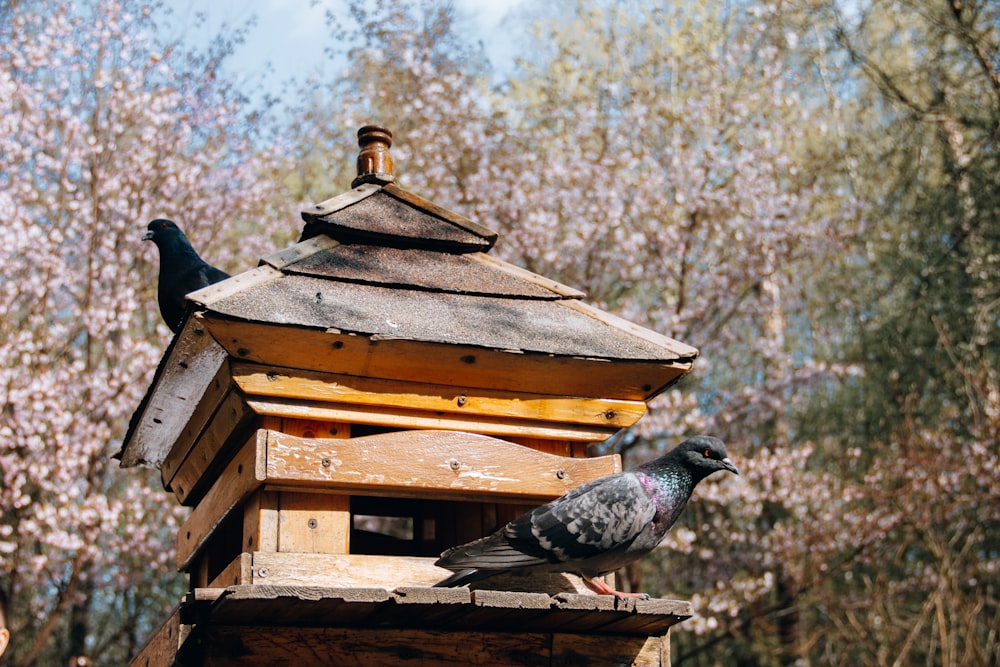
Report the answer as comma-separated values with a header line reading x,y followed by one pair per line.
x,y
708,453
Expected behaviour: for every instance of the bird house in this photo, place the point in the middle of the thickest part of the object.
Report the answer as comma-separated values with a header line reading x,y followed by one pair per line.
x,y
376,393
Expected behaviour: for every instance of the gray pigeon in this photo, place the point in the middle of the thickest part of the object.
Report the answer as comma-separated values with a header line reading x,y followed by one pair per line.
x,y
596,528
182,271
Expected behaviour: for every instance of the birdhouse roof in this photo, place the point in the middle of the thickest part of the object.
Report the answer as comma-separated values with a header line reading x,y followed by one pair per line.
x,y
386,285
426,283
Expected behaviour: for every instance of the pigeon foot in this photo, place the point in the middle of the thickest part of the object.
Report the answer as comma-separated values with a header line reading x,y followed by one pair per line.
x,y
601,588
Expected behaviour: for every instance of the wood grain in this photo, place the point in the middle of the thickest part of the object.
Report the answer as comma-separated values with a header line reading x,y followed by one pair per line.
x,y
440,363
400,418
438,464
271,381
190,480
241,477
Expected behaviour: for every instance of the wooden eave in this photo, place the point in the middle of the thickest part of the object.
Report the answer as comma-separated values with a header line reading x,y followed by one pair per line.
x,y
266,625
427,311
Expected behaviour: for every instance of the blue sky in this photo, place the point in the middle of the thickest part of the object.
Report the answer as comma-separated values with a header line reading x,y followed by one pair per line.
x,y
289,35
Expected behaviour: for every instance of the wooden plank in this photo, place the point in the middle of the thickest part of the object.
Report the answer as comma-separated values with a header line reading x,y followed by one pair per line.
x,y
260,521
244,474
189,369
206,296
293,605
278,382
440,363
264,646
299,251
190,481
403,418
344,200
311,428
161,648
314,523
343,570
388,572
578,649
208,404
237,573
439,464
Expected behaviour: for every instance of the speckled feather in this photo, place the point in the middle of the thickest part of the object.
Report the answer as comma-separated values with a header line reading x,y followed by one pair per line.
x,y
182,271
597,527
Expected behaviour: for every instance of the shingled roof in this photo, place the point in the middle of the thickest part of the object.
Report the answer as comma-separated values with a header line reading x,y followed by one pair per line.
x,y
384,283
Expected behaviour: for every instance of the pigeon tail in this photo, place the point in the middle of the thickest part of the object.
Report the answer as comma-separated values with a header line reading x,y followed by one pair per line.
x,y
463,577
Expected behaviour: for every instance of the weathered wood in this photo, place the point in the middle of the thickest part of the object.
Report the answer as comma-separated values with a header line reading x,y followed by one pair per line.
x,y
190,481
160,649
314,523
189,370
300,251
343,570
241,477
311,428
293,605
260,521
275,382
401,418
240,646
237,573
576,649
215,392
440,363
343,200
389,572
206,296
439,464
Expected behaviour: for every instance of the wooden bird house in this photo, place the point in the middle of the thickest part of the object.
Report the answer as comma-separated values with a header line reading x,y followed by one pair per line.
x,y
378,392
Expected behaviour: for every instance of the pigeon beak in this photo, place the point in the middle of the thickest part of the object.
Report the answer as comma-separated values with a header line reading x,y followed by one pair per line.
x,y
148,236
728,465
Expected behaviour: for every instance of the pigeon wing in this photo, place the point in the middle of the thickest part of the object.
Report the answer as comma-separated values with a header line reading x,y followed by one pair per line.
x,y
604,515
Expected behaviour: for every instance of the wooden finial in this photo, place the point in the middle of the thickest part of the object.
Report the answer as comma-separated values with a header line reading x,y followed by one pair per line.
x,y
374,160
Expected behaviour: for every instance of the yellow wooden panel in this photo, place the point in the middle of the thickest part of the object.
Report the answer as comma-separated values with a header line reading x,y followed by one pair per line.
x,y
438,464
215,392
439,363
244,474
187,483
401,418
314,523
278,382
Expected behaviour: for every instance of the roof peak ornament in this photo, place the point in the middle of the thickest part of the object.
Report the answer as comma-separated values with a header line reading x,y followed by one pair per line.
x,y
374,159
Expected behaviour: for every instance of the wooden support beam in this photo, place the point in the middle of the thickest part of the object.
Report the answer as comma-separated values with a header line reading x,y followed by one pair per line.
x,y
401,418
446,364
439,465
190,465
284,383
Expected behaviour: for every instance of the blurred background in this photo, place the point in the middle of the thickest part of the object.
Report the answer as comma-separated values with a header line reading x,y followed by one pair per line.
x,y
805,190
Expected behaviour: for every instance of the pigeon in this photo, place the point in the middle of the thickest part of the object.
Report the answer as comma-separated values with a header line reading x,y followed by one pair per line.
x,y
182,271
597,527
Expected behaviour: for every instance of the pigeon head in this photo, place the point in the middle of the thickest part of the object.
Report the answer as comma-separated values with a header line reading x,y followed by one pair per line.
x,y
160,231
703,455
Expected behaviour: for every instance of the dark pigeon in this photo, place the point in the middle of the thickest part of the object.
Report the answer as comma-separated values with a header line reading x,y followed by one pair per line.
x,y
596,528
182,271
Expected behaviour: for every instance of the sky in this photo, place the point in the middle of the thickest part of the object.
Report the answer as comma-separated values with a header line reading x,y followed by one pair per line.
x,y
289,36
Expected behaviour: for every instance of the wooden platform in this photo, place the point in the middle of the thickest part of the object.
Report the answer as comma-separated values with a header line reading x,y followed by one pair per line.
x,y
282,625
